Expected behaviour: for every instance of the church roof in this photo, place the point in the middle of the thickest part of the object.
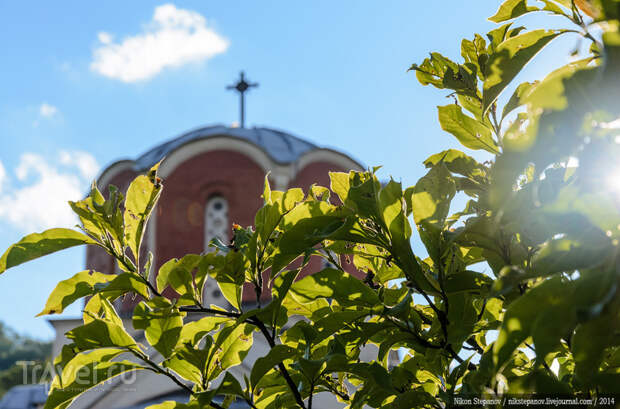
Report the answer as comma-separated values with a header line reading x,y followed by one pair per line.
x,y
282,147
24,397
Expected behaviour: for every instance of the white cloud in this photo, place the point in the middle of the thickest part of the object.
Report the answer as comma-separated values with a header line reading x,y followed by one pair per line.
x,y
47,111
173,38
38,199
104,38
84,162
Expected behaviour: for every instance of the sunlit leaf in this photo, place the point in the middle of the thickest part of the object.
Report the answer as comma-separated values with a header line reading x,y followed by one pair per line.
x,y
100,334
70,290
511,9
142,196
509,59
470,132
41,244
264,364
84,372
161,322
331,283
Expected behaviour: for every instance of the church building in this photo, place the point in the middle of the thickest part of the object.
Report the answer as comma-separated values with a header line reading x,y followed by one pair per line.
x,y
213,177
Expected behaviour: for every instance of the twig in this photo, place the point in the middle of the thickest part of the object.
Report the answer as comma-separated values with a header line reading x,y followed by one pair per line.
x,y
161,371
210,311
542,360
470,366
332,260
471,341
417,336
249,402
281,367
311,393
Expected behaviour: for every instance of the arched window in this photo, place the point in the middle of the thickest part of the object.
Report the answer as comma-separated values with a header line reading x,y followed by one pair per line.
x,y
216,226
216,221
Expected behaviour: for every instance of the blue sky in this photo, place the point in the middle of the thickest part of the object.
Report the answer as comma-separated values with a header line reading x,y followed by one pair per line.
x,y
76,95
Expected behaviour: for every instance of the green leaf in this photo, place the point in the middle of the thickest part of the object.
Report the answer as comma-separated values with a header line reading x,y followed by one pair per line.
x,y
511,9
394,211
463,81
567,254
320,193
267,190
498,35
331,283
456,162
188,262
333,322
142,197
161,322
231,276
363,191
311,368
393,208
556,296
471,133
433,69
593,337
100,334
509,59
190,362
264,364
281,285
303,236
270,215
431,197
339,184
230,386
230,347
474,52
599,208
518,97
468,281
85,371
102,218
122,284
462,317
40,244
70,361
553,91
85,209
194,331
309,309
552,7
537,381
72,289
182,281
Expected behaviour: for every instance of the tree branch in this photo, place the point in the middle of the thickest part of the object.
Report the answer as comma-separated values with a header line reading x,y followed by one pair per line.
x,y
291,384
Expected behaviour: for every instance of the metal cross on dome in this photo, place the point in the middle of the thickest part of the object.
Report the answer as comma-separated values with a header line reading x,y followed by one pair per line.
x,y
241,87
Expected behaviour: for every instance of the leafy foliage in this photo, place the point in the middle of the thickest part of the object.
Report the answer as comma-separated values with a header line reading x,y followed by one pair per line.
x,y
548,234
